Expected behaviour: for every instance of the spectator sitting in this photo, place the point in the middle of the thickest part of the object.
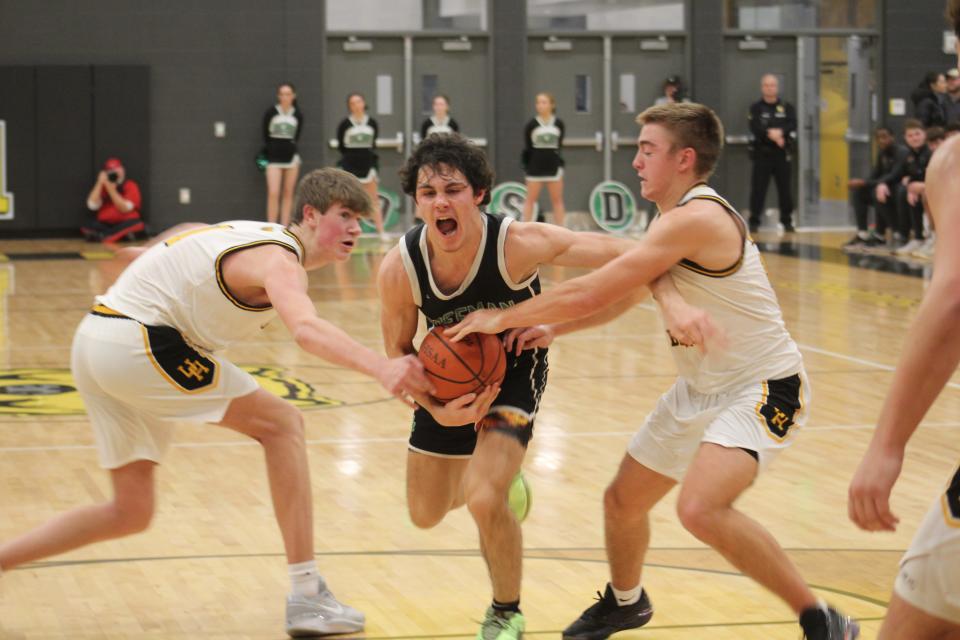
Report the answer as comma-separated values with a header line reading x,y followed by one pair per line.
x,y
952,128
910,207
116,202
930,100
886,170
917,197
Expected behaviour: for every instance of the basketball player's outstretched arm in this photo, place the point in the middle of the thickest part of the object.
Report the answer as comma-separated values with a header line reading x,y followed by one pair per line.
x,y
930,355
398,321
673,238
285,282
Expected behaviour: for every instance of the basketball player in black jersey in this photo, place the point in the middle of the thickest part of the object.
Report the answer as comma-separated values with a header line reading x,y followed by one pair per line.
x,y
460,259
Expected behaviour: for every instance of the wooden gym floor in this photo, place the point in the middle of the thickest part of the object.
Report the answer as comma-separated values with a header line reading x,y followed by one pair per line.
x,y
212,566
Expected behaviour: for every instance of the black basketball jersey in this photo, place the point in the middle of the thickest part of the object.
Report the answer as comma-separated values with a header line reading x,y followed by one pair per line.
x,y
487,285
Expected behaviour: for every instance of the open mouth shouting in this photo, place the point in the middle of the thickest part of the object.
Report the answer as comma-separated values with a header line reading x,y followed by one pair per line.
x,y
447,226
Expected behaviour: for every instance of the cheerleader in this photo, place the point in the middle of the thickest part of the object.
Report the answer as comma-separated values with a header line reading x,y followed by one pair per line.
x,y
282,125
542,161
440,121
357,141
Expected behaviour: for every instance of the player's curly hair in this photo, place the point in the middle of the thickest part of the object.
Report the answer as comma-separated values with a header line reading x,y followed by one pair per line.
x,y
953,15
442,152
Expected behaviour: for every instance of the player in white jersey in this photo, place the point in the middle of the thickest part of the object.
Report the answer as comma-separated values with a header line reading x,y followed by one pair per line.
x,y
926,601
146,356
731,410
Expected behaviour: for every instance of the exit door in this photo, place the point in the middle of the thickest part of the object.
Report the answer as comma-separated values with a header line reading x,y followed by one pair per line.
x,y
572,71
374,68
745,61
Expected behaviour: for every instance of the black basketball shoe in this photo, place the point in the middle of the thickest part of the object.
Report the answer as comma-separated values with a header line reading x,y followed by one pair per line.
x,y
606,617
828,624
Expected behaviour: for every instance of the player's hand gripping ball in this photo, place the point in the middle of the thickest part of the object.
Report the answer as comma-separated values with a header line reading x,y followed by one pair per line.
x,y
467,366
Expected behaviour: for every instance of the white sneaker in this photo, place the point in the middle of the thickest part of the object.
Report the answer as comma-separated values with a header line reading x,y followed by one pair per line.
x,y
321,615
909,248
926,251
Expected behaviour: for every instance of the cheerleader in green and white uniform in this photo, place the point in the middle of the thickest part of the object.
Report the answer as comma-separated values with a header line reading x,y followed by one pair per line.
x,y
282,126
542,162
357,141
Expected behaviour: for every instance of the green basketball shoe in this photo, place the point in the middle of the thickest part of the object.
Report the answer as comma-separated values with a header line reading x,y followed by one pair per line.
x,y
520,498
502,626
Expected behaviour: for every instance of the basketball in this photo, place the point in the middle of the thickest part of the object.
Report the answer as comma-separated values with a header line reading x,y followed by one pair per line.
x,y
458,368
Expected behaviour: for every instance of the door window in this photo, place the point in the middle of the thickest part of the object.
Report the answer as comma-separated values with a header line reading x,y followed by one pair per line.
x,y
605,15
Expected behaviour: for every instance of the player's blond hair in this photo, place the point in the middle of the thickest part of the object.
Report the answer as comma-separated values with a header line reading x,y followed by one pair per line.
x,y
693,126
323,188
953,15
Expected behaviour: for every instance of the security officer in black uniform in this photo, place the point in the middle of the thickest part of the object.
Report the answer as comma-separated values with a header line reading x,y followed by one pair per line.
x,y
773,129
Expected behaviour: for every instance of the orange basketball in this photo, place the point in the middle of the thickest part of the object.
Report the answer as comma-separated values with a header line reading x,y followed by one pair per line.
x,y
458,368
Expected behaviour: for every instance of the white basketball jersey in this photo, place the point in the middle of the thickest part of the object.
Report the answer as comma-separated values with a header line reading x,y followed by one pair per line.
x,y
179,283
741,300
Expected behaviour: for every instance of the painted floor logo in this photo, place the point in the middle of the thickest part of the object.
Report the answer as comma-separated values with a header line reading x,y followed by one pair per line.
x,y
51,392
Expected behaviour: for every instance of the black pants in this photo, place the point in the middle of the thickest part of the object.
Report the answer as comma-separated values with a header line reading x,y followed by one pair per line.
x,y
766,164
886,212
908,216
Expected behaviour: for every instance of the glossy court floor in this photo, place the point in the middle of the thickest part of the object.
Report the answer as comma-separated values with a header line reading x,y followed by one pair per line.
x,y
211,566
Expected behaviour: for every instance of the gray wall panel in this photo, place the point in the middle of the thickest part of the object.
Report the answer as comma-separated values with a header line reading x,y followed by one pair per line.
x,y
18,108
912,45
216,60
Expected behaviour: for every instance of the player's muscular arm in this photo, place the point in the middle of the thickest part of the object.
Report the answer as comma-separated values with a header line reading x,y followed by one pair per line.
x,y
931,353
689,325
931,349
398,312
285,284
667,242
531,244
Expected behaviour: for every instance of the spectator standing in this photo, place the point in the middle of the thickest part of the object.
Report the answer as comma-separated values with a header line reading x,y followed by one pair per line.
x,y
953,95
773,129
930,100
542,162
282,126
440,121
672,91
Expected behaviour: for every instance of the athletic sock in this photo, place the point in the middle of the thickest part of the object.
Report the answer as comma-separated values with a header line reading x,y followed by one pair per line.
x,y
628,596
814,622
305,578
506,607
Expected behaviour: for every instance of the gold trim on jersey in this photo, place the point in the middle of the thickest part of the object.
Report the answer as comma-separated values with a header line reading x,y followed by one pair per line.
x,y
951,519
744,236
303,251
219,271
107,312
190,232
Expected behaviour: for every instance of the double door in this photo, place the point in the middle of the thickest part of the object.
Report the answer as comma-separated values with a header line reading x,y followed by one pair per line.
x,y
600,84
831,82
398,77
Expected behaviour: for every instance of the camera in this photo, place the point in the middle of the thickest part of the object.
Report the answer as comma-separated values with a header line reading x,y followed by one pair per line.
x,y
113,176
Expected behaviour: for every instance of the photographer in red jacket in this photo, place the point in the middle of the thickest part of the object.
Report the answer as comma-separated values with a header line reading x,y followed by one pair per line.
x,y
116,201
